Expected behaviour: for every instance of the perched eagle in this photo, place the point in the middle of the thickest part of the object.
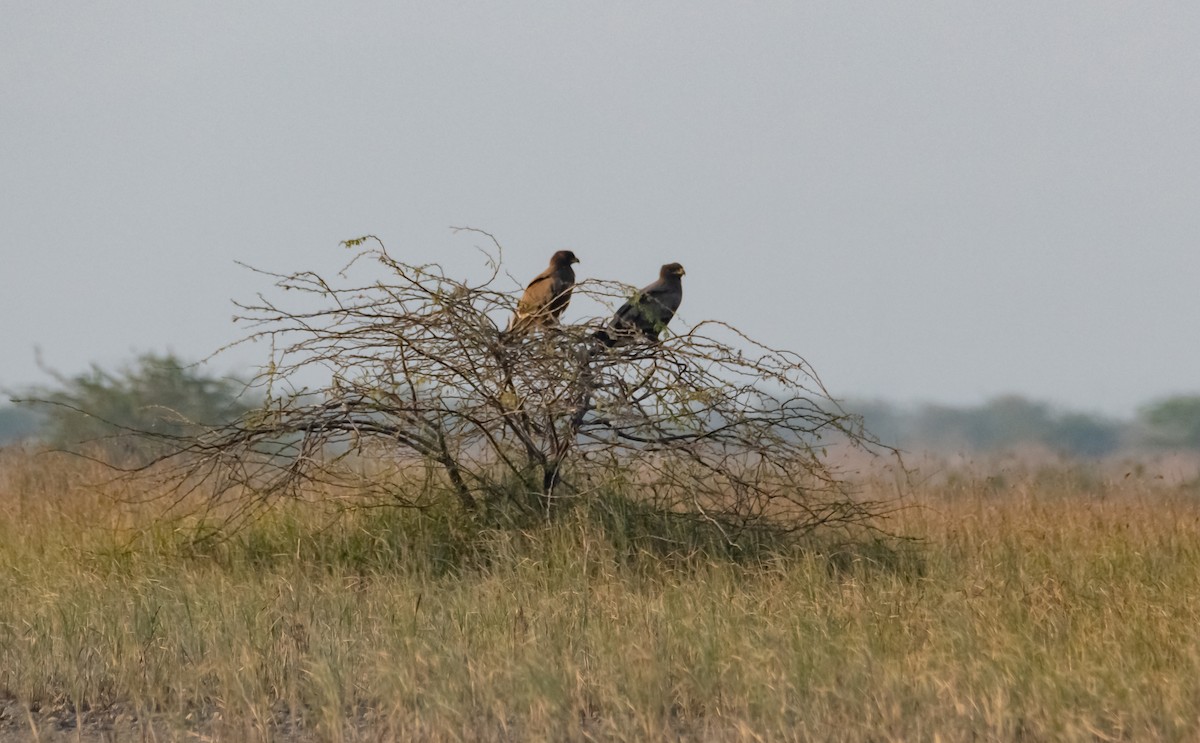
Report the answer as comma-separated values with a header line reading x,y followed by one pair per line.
x,y
649,311
547,295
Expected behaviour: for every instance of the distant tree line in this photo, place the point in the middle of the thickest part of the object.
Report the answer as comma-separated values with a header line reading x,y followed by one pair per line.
x,y
166,395
108,410
1013,421
20,423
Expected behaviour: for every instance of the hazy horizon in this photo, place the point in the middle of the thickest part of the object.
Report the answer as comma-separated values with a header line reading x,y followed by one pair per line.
x,y
931,202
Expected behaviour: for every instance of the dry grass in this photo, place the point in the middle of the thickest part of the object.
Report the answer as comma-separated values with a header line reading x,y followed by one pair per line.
x,y
1037,605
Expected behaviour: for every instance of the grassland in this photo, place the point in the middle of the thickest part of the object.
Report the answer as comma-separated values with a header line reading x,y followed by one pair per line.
x,y
1039,604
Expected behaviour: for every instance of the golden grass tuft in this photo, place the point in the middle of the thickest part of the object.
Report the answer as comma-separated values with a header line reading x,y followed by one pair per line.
x,y
1040,604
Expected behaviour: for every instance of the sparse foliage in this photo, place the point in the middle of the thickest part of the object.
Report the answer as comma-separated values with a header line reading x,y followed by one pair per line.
x,y
707,424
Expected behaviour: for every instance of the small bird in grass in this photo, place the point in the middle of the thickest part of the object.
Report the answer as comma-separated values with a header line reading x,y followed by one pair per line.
x,y
649,311
547,295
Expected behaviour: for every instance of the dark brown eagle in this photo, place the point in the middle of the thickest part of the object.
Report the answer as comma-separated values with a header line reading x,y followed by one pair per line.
x,y
547,295
649,311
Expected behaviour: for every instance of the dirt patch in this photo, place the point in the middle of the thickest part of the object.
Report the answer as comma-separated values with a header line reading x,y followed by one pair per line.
x,y
19,722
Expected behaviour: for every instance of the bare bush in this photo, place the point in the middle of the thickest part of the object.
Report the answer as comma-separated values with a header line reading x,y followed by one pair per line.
x,y
706,423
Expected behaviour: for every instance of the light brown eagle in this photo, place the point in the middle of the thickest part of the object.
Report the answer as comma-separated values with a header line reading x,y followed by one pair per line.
x,y
547,295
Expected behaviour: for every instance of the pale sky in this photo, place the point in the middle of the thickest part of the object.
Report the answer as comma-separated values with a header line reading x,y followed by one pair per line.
x,y
930,201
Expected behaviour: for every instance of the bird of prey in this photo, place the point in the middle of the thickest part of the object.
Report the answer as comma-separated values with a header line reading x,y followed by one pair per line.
x,y
547,295
649,311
